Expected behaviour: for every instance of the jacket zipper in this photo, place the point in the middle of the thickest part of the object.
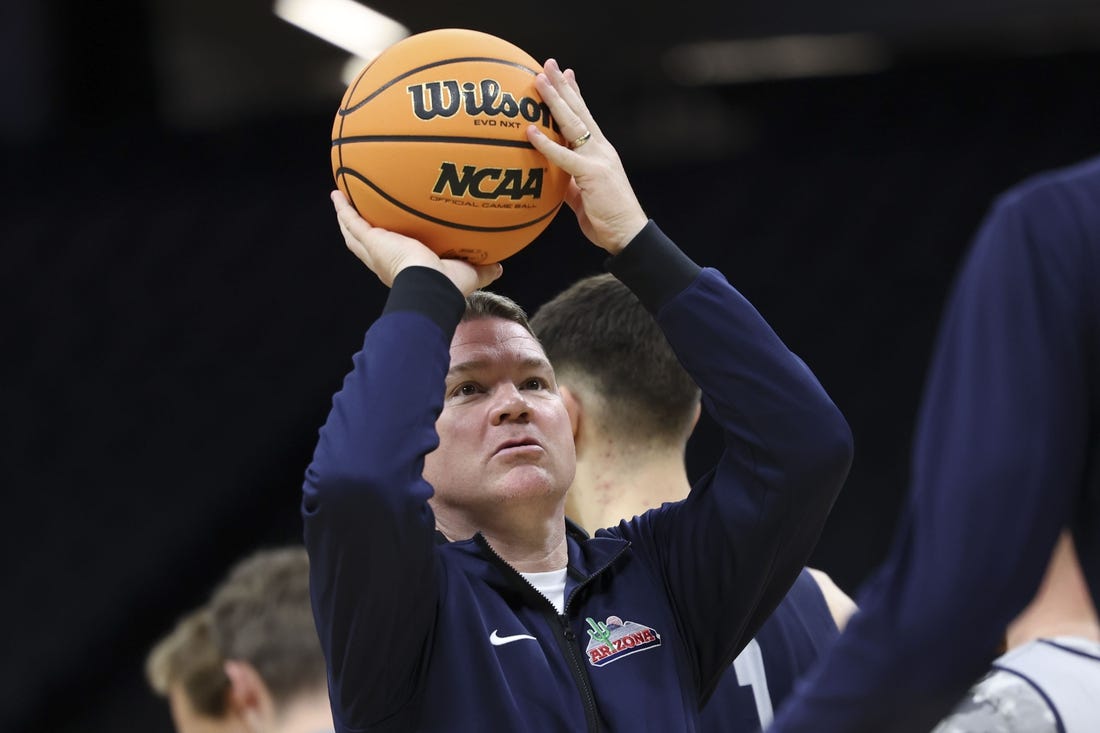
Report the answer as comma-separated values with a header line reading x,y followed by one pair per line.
x,y
576,662
567,642
567,639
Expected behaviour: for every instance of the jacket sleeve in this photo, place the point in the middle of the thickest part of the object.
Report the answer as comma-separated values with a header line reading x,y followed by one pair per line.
x,y
368,528
732,549
998,460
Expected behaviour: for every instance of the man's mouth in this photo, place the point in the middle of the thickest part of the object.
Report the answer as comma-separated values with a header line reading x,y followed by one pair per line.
x,y
518,445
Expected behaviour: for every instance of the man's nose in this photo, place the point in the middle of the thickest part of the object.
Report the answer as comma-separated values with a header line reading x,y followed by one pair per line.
x,y
510,405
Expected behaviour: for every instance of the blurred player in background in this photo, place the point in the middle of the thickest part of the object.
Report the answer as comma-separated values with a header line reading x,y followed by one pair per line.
x,y
1049,679
1006,457
249,660
633,408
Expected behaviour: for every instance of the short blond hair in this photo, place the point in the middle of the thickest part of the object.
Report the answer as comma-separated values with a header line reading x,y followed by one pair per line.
x,y
260,613
189,659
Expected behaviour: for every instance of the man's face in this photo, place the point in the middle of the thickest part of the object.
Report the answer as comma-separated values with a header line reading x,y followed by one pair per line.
x,y
504,434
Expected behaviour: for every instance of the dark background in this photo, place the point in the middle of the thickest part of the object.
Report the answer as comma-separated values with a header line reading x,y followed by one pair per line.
x,y
180,306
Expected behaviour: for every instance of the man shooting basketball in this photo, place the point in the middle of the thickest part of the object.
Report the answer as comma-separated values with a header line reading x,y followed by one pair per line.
x,y
449,591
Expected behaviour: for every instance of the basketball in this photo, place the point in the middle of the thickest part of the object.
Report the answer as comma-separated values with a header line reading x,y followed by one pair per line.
x,y
430,142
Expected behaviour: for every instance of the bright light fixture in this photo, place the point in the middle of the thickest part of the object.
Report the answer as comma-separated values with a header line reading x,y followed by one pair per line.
x,y
345,23
778,57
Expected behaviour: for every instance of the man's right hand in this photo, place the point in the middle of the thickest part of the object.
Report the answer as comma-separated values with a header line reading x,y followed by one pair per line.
x,y
387,253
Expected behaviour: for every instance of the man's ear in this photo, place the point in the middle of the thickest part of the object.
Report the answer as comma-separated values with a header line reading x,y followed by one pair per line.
x,y
573,407
249,697
698,414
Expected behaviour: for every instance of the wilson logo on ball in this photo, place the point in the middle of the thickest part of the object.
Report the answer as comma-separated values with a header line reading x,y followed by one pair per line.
x,y
445,98
489,183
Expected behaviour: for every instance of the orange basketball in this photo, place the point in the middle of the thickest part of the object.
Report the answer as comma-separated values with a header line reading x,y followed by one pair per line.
x,y
429,141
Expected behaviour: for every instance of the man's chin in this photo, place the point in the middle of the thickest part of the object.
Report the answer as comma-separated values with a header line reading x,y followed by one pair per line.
x,y
530,482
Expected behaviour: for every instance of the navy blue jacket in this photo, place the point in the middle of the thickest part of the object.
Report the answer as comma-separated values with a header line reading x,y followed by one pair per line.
x,y
1006,455
655,608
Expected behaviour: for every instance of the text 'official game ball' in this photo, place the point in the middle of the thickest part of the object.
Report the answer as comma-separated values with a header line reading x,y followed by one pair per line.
x,y
429,141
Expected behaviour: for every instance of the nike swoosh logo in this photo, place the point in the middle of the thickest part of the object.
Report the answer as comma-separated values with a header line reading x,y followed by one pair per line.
x,y
502,640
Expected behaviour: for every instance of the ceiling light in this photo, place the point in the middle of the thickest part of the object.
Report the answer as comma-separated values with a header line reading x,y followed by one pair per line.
x,y
778,57
345,23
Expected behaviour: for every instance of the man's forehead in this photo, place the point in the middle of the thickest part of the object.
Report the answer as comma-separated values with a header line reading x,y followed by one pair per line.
x,y
492,339
493,333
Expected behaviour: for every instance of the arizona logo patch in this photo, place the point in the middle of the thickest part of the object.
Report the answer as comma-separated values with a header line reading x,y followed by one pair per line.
x,y
614,639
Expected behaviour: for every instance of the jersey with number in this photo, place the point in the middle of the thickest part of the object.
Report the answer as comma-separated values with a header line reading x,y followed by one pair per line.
x,y
1046,686
765,672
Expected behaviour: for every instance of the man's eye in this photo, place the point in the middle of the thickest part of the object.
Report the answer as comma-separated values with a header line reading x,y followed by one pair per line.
x,y
466,389
534,383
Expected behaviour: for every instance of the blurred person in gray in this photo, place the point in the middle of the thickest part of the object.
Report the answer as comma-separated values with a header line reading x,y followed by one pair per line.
x,y
1049,679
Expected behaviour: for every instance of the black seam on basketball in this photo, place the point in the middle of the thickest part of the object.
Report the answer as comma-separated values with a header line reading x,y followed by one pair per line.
x,y
431,139
443,62
340,153
435,220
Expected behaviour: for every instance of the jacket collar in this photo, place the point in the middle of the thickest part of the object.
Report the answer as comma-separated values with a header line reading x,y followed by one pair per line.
x,y
588,556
